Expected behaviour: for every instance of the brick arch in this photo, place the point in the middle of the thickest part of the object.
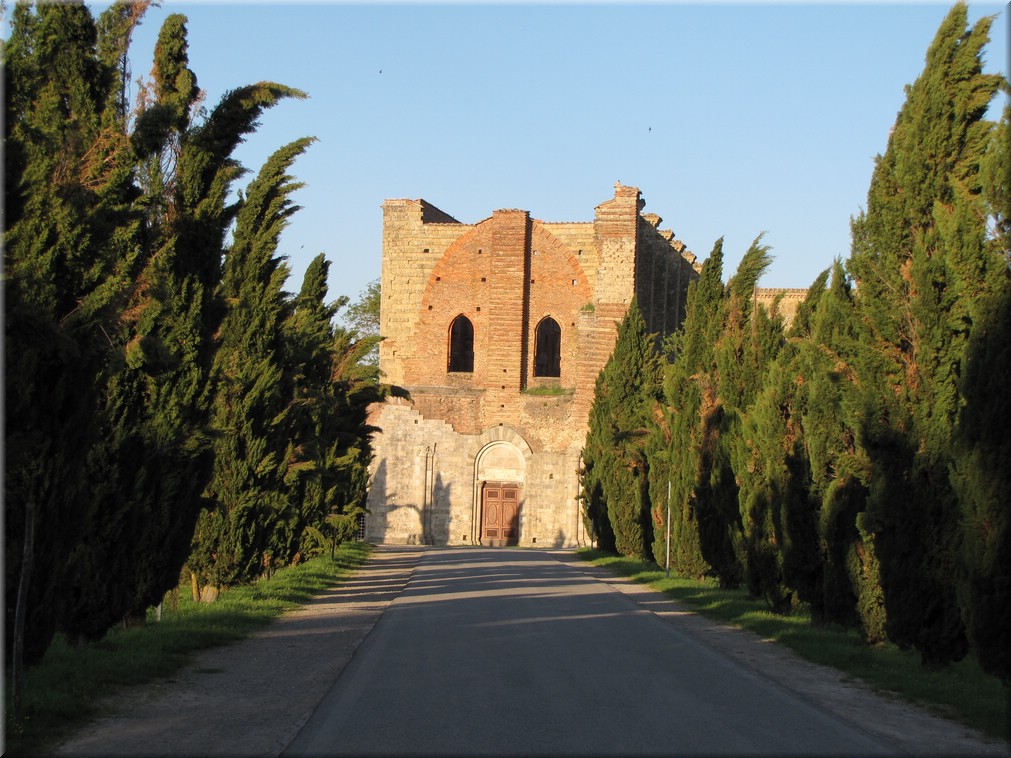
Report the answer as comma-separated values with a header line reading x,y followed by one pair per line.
x,y
543,240
454,288
448,266
553,294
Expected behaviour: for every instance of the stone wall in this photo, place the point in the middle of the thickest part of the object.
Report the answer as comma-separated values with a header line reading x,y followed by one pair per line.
x,y
665,269
781,300
426,484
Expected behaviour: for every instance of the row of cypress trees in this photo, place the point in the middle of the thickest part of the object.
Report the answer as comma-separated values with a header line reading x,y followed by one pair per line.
x,y
859,462
167,404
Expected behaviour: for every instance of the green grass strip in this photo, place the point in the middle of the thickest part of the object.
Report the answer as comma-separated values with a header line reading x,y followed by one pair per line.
x,y
961,692
62,691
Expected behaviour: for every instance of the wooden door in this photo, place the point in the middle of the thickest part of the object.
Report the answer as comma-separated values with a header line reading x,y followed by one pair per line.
x,y
500,515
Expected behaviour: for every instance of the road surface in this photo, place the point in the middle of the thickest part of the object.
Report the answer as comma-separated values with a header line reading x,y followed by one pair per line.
x,y
497,651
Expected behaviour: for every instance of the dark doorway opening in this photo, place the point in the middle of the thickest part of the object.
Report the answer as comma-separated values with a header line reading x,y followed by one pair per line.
x,y
548,348
461,345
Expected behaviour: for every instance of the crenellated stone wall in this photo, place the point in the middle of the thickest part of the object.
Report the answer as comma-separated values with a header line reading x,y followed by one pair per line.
x,y
780,300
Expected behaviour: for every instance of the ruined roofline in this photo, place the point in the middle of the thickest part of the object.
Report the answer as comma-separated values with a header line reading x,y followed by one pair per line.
x,y
429,213
623,191
787,291
432,215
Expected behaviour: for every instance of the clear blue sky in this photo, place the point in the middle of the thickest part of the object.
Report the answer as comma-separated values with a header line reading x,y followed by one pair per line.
x,y
732,119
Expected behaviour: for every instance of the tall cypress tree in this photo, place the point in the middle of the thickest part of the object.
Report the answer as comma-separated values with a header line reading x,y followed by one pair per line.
x,y
771,470
919,262
69,231
331,383
740,356
627,392
836,370
354,387
718,361
236,536
780,516
982,444
688,397
110,265
591,488
309,336
155,454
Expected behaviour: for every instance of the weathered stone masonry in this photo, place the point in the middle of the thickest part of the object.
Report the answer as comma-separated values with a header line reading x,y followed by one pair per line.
x,y
490,455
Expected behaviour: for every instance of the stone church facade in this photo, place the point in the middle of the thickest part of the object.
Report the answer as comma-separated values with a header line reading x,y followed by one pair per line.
x,y
498,331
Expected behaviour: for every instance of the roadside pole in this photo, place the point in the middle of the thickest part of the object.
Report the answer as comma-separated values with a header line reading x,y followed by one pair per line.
x,y
668,527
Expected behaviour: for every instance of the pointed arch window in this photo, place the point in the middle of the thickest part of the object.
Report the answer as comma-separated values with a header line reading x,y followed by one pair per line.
x,y
548,348
461,345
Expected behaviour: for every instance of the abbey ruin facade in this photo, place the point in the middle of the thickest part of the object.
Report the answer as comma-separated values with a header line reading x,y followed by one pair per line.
x,y
498,331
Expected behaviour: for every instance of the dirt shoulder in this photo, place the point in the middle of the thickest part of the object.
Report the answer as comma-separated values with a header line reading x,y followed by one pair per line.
x,y
253,697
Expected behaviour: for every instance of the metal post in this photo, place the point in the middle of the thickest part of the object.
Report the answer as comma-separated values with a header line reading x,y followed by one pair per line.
x,y
668,527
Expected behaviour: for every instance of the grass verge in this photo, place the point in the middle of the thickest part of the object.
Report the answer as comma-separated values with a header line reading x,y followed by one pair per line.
x,y
62,691
960,692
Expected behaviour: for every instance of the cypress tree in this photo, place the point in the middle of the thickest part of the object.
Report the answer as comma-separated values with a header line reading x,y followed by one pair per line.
x,y
591,488
771,464
836,370
622,410
354,386
715,372
68,233
146,487
237,536
98,588
771,469
109,274
740,356
766,443
980,472
332,383
309,336
189,308
919,262
688,397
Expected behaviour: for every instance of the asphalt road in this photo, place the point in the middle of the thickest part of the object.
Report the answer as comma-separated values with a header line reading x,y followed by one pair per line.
x,y
497,651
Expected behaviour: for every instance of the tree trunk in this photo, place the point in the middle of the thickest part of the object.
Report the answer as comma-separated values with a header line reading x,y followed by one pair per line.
x,y
21,610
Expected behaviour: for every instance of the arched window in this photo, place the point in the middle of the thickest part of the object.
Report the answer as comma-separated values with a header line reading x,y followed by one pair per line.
x,y
548,348
461,345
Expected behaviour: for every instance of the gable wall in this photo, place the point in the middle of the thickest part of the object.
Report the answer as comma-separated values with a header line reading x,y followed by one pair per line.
x,y
505,274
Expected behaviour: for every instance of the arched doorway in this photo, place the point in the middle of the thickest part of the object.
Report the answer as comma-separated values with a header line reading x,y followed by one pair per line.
x,y
499,475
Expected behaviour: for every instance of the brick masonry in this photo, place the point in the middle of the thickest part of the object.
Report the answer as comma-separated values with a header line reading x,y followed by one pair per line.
x,y
500,423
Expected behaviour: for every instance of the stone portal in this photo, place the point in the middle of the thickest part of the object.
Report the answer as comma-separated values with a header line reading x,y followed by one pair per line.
x,y
499,476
